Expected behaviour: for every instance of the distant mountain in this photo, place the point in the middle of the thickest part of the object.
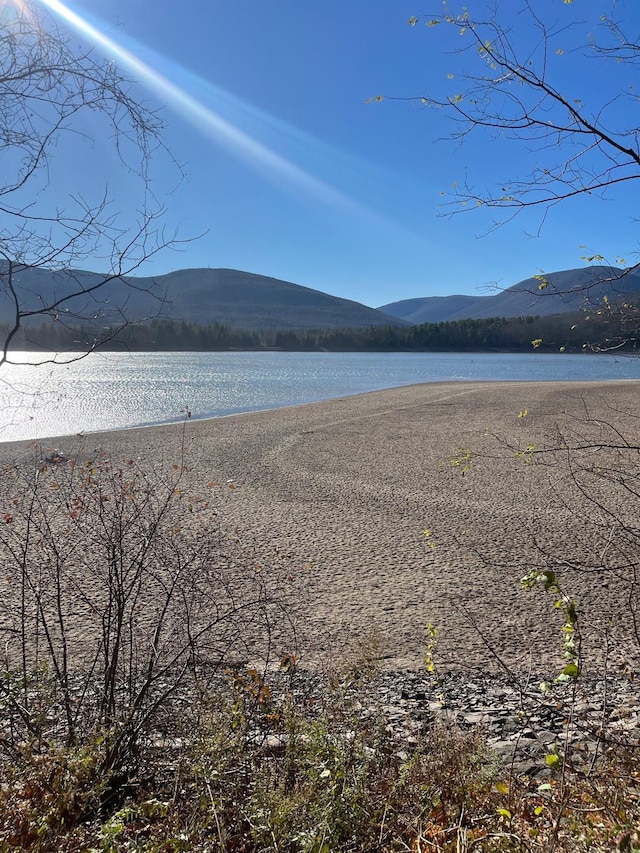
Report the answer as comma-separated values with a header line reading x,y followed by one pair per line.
x,y
234,298
437,308
563,292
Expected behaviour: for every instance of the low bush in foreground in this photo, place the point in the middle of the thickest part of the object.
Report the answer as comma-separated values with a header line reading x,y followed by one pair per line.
x,y
131,721
295,768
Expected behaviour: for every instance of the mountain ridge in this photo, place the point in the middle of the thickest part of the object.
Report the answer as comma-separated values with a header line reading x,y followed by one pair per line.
x,y
559,292
244,300
234,298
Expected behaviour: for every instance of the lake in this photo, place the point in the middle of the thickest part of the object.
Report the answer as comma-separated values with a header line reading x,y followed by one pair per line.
x,y
118,390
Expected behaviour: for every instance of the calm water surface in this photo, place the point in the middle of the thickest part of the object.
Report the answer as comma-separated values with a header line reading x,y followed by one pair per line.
x,y
117,390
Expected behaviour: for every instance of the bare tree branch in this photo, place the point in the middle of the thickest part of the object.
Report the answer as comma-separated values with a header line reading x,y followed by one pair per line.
x,y
54,93
510,82
582,149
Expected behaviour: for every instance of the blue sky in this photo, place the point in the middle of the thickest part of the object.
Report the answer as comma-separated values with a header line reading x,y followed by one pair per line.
x,y
289,172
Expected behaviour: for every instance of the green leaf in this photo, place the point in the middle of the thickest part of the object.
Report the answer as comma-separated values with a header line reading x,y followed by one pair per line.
x,y
571,669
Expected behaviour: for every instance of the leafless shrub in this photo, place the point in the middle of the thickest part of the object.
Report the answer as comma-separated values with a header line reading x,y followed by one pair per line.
x,y
123,600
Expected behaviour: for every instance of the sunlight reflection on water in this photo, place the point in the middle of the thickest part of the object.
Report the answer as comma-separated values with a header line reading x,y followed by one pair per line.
x,y
117,390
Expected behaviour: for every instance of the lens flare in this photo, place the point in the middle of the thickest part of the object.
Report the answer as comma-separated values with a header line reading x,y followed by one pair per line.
x,y
271,165
20,6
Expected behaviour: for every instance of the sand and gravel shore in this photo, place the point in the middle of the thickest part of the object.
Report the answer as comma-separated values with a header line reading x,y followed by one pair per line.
x,y
342,492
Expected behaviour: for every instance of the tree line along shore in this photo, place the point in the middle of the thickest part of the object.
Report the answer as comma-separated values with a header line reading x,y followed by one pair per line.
x,y
596,331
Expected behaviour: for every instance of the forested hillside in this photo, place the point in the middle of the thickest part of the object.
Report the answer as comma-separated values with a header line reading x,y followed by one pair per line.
x,y
566,291
562,332
239,300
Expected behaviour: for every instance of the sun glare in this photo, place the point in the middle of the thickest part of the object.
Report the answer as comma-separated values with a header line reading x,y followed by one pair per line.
x,y
224,133
20,6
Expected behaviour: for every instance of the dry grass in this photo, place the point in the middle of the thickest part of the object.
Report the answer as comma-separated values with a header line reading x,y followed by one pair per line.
x,y
267,769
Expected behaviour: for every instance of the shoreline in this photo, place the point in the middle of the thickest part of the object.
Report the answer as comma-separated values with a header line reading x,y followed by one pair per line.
x,y
179,423
338,494
76,398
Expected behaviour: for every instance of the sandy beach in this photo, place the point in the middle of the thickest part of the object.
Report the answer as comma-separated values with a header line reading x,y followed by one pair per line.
x,y
340,493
